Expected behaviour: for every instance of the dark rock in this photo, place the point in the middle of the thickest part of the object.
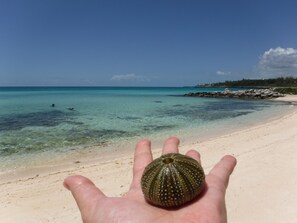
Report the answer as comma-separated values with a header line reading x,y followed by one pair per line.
x,y
241,94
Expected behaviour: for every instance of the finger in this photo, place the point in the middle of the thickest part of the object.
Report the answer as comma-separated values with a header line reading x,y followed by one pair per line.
x,y
171,145
224,169
84,191
194,154
142,157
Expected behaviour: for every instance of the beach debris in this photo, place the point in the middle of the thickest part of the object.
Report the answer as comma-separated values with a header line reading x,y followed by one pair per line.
x,y
172,180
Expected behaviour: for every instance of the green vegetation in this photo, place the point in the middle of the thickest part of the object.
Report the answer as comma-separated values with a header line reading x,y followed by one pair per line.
x,y
256,83
284,85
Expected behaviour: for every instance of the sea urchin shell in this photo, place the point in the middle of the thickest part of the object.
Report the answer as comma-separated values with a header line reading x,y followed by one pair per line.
x,y
172,180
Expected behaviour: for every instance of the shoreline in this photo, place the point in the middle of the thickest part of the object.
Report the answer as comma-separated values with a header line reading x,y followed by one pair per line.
x,y
262,188
26,163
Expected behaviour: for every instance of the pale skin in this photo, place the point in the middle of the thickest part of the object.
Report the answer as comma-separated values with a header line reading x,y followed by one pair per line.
x,y
95,207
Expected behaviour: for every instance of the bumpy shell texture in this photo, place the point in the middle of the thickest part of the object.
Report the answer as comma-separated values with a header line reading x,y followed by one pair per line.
x,y
172,180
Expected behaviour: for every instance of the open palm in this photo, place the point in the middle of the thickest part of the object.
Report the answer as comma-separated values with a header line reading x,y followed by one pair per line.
x,y
95,207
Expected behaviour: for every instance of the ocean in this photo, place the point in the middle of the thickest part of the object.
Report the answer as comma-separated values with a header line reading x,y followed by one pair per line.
x,y
39,123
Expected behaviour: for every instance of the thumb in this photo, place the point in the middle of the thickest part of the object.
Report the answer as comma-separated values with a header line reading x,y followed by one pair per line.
x,y
84,191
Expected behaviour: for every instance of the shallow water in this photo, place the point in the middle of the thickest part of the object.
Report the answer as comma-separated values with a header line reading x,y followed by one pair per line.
x,y
31,126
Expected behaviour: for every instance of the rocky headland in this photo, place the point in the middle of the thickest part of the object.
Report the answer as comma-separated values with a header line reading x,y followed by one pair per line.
x,y
240,94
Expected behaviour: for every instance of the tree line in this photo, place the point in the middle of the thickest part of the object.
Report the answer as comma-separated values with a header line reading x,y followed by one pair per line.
x,y
271,82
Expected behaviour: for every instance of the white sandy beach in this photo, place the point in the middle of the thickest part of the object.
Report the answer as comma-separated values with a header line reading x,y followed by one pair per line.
x,y
262,187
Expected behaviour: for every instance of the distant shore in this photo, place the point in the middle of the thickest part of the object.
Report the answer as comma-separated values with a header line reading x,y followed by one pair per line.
x,y
262,188
240,94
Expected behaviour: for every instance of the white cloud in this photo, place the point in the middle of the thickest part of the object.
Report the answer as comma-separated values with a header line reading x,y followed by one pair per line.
x,y
278,61
129,77
223,73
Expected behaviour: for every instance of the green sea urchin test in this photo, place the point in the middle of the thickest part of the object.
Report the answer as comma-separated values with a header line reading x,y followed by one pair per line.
x,y
172,180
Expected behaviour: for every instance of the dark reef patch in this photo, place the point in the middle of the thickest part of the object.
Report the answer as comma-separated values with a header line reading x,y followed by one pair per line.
x,y
36,119
231,105
213,110
128,118
157,127
31,141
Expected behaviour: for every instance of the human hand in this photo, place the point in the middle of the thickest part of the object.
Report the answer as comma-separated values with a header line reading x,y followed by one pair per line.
x,y
210,206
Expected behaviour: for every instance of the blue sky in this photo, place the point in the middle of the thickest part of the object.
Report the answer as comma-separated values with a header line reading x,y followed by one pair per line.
x,y
145,42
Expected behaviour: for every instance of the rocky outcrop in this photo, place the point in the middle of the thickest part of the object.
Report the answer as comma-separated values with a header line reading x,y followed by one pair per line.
x,y
241,94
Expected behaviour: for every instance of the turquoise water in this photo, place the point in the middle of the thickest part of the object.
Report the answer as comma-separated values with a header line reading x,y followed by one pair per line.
x,y
35,121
